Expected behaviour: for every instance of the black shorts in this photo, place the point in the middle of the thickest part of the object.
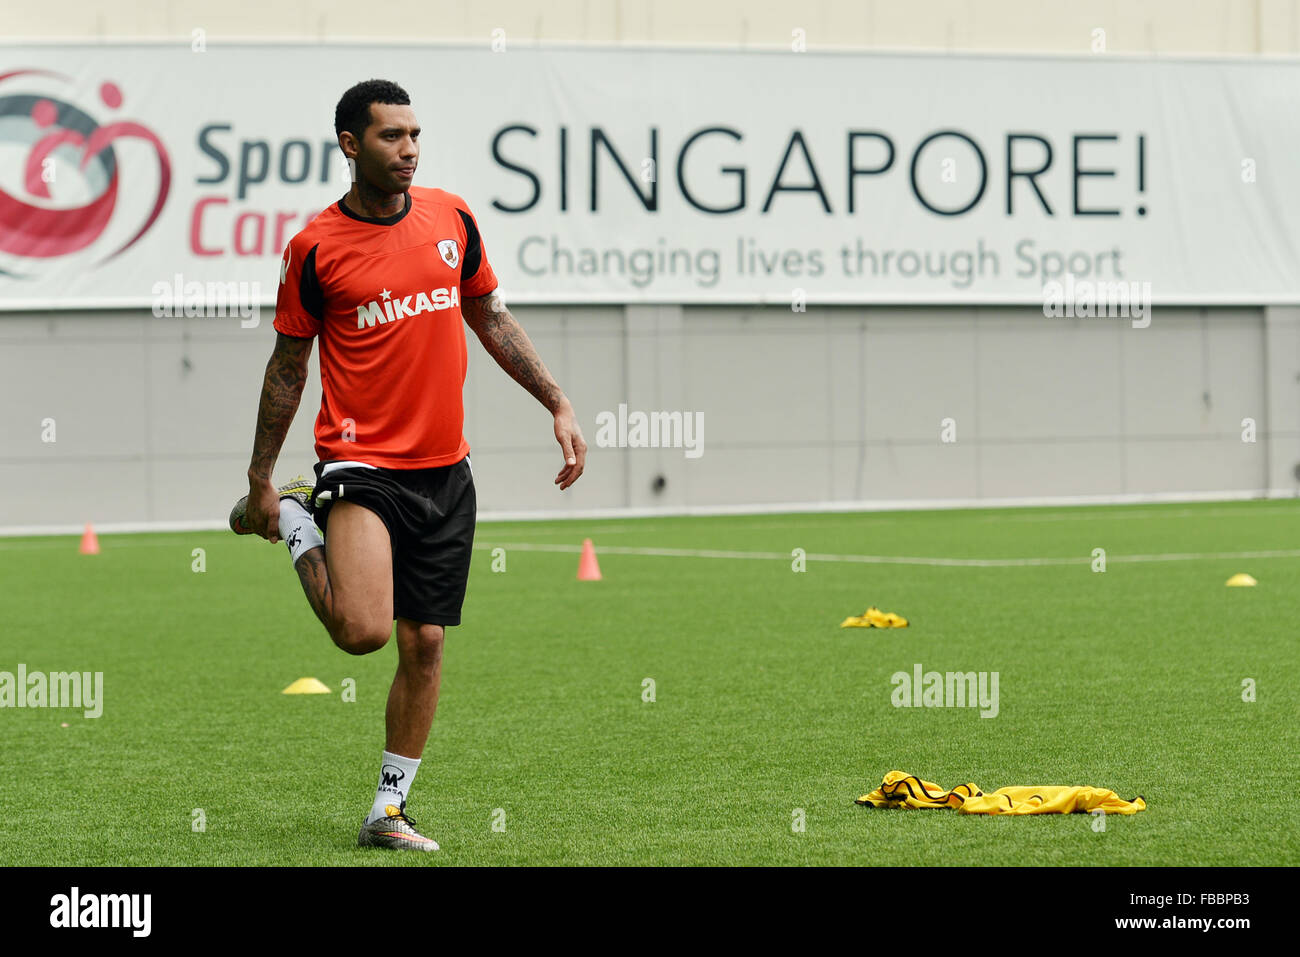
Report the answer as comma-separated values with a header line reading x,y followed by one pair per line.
x,y
429,514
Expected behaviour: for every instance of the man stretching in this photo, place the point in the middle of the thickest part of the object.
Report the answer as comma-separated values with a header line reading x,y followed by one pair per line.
x,y
384,278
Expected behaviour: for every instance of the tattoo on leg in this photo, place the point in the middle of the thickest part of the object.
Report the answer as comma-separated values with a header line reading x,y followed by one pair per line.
x,y
315,578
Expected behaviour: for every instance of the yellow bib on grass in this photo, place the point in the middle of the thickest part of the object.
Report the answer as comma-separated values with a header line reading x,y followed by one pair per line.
x,y
902,790
873,617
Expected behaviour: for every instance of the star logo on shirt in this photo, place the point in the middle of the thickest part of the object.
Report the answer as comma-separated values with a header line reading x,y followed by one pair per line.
x,y
385,293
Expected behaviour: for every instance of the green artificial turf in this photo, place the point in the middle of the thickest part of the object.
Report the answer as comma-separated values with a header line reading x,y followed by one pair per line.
x,y
1129,679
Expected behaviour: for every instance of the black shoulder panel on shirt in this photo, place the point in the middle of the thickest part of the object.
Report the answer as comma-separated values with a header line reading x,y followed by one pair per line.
x,y
473,247
309,291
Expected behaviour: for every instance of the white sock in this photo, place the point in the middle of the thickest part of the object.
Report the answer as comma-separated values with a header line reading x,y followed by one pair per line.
x,y
396,775
297,530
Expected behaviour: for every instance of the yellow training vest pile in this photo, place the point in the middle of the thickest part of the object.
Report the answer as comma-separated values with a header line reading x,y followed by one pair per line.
x,y
900,789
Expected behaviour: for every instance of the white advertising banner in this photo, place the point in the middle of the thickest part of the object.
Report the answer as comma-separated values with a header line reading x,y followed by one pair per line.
x,y
655,175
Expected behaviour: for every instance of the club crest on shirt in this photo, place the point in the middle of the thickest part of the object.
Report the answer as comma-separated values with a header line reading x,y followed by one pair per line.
x,y
450,252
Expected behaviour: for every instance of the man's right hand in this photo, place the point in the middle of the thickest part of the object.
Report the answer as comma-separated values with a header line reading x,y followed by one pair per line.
x,y
262,515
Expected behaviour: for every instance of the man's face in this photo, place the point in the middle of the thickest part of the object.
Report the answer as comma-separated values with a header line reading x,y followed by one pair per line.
x,y
389,148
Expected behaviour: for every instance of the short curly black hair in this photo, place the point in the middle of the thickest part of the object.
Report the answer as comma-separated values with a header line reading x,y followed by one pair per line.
x,y
353,112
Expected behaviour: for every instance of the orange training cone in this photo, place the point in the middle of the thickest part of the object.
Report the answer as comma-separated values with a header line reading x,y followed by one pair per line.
x,y
588,568
89,541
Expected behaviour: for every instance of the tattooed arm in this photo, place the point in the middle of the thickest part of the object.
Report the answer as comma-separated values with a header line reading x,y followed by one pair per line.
x,y
508,344
286,375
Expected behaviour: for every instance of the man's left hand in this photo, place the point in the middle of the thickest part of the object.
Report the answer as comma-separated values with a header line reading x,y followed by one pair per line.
x,y
572,443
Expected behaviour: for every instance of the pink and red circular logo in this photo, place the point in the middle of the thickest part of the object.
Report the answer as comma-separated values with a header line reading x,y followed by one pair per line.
x,y
33,226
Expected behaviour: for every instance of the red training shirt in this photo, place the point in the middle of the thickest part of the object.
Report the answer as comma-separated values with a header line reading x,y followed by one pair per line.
x,y
384,297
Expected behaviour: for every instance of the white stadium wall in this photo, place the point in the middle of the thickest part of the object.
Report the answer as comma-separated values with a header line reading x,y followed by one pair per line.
x,y
842,403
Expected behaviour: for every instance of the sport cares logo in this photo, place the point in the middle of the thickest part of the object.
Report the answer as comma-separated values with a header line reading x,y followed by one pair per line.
x,y
61,196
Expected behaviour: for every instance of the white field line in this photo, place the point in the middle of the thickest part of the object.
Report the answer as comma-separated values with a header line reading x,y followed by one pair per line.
x,y
757,521
938,562
890,559
1102,514
782,510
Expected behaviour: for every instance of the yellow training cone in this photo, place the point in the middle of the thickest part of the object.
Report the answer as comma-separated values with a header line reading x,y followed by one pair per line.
x,y
1241,580
306,686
